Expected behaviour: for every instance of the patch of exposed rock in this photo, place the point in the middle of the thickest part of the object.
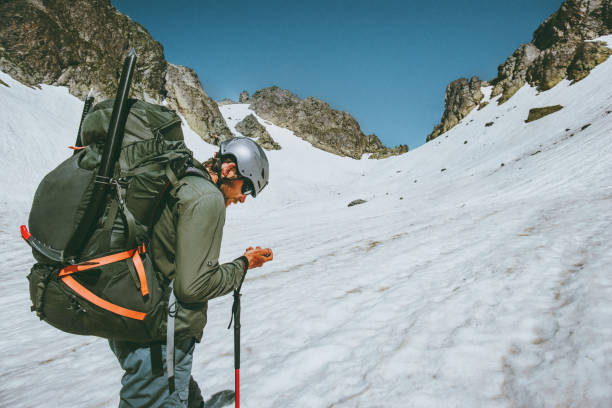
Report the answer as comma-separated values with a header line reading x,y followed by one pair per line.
x,y
461,97
250,127
538,113
559,50
356,202
81,44
316,122
244,97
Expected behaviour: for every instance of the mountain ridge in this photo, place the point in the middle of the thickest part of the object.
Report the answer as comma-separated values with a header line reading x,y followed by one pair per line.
x,y
81,44
560,48
315,121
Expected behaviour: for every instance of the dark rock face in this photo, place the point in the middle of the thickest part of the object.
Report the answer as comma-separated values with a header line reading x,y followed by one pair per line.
x,y
81,44
250,127
558,50
461,97
314,121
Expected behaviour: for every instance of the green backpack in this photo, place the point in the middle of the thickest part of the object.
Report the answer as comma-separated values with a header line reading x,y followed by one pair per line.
x,y
111,289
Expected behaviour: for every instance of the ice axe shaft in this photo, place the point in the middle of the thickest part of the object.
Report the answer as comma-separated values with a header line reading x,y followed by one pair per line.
x,y
110,154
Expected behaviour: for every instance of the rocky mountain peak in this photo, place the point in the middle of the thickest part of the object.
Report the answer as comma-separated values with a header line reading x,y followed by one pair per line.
x,y
576,20
559,49
273,96
315,121
81,44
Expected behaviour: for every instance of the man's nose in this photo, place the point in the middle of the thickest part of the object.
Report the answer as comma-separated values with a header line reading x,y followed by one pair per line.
x,y
242,198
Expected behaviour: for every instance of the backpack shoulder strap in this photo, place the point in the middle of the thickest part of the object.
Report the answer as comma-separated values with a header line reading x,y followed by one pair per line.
x,y
192,171
168,198
177,182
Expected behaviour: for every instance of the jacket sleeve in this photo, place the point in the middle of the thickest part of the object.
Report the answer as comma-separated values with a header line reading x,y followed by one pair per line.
x,y
199,277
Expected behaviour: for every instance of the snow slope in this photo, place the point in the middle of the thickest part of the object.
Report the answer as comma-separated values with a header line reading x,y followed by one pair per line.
x,y
480,285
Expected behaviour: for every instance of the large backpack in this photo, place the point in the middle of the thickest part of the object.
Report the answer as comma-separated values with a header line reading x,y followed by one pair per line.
x,y
111,289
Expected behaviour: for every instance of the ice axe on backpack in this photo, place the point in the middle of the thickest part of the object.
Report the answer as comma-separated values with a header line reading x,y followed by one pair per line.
x,y
66,248
110,155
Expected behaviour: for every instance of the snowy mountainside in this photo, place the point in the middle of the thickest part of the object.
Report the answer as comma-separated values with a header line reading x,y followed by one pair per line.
x,y
481,285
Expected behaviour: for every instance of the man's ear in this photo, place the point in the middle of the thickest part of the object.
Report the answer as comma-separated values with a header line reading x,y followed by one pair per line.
x,y
228,170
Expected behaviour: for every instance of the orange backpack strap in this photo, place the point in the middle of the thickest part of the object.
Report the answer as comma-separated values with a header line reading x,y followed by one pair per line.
x,y
111,307
86,294
94,263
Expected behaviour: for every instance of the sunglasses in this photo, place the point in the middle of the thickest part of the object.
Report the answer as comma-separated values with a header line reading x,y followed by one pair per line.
x,y
247,186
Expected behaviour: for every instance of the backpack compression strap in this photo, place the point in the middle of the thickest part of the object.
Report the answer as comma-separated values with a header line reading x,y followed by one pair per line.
x,y
105,260
86,294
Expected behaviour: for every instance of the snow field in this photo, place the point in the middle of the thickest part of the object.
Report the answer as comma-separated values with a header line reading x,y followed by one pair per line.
x,y
483,286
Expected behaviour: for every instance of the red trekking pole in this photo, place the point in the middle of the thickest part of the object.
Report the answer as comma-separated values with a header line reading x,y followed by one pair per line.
x,y
236,318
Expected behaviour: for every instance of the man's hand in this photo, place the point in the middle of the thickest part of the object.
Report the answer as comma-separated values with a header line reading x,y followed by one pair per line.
x,y
258,256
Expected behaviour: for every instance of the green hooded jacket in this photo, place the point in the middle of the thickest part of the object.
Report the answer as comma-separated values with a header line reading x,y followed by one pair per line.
x,y
186,243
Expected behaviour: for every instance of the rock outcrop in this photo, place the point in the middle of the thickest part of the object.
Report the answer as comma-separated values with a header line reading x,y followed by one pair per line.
x,y
81,44
461,97
244,97
538,113
560,49
513,72
587,56
316,122
186,96
250,127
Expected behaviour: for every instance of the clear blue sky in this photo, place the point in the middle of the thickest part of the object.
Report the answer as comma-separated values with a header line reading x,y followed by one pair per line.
x,y
387,63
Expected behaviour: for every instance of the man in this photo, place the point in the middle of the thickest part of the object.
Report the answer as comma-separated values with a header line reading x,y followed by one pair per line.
x,y
186,242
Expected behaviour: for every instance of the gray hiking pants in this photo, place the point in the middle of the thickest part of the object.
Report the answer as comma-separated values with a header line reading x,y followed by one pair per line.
x,y
140,388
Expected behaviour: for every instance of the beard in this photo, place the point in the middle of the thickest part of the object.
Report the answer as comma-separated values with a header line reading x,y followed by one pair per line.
x,y
225,186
